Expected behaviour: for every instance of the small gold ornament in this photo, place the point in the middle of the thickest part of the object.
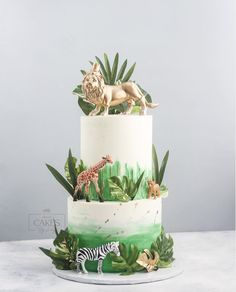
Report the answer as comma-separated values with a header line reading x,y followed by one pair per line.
x,y
148,259
153,189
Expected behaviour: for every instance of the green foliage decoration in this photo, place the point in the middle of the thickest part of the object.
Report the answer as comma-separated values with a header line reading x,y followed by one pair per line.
x,y
126,262
71,172
112,74
65,247
158,173
164,247
124,189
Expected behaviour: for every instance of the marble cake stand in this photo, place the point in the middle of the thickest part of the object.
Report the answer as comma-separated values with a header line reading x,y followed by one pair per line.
x,y
117,279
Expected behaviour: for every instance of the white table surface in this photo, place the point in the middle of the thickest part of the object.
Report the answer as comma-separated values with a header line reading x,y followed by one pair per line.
x,y
208,260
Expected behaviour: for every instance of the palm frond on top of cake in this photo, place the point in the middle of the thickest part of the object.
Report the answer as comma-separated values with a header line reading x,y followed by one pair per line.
x,y
112,74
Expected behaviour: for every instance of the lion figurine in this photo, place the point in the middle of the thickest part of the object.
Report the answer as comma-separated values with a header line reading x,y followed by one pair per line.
x,y
153,189
104,96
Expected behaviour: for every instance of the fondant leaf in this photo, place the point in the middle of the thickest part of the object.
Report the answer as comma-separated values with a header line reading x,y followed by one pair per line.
x,y
64,254
129,73
66,168
122,71
147,95
72,169
103,70
163,167
164,247
108,68
114,68
126,262
61,179
86,107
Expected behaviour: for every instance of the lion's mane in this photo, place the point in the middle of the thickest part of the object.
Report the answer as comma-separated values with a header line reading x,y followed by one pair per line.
x,y
92,91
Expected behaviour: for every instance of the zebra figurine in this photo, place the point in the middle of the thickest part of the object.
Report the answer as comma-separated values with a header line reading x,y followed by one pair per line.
x,y
95,254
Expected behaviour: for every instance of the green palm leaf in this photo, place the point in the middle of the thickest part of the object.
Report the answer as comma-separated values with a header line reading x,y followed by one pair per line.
x,y
72,169
121,71
155,166
114,68
108,68
137,184
78,91
104,73
86,107
83,72
129,73
147,95
163,167
61,179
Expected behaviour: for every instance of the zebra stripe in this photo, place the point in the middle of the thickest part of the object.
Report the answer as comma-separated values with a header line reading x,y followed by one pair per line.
x,y
93,254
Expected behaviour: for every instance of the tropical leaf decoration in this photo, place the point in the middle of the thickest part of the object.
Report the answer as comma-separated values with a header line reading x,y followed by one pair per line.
x,y
75,169
148,259
71,173
158,172
81,167
126,262
112,74
164,247
61,179
64,253
124,189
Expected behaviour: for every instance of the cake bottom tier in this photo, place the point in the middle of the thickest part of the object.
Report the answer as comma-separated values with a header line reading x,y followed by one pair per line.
x,y
135,222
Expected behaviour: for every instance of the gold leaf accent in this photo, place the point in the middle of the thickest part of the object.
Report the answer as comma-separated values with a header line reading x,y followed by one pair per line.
x,y
148,259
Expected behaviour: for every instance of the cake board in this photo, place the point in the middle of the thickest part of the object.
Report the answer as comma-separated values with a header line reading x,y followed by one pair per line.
x,y
117,279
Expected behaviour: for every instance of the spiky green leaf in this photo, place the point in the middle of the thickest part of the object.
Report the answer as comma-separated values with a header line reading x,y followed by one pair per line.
x,y
103,70
83,72
155,165
72,169
121,71
137,184
108,68
66,168
114,69
55,227
147,95
61,179
129,73
163,167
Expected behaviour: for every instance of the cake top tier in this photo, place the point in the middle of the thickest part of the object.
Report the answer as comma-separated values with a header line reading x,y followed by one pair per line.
x,y
107,89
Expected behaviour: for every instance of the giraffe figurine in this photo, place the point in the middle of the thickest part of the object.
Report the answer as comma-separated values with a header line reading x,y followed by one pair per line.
x,y
91,175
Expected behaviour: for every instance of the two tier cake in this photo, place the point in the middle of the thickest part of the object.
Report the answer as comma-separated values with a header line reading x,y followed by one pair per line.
x,y
116,189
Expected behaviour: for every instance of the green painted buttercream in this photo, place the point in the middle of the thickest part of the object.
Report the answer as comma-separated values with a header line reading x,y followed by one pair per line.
x,y
115,170
142,238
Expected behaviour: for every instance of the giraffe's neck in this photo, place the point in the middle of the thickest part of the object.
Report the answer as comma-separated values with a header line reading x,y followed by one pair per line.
x,y
99,165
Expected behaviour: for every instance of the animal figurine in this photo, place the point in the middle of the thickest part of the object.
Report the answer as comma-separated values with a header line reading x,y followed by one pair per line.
x,y
148,260
104,96
91,175
95,254
153,189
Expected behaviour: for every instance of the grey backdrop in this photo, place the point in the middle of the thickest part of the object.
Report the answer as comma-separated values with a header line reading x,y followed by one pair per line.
x,y
185,54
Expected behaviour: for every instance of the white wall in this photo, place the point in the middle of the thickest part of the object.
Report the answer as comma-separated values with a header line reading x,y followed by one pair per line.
x,y
185,56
